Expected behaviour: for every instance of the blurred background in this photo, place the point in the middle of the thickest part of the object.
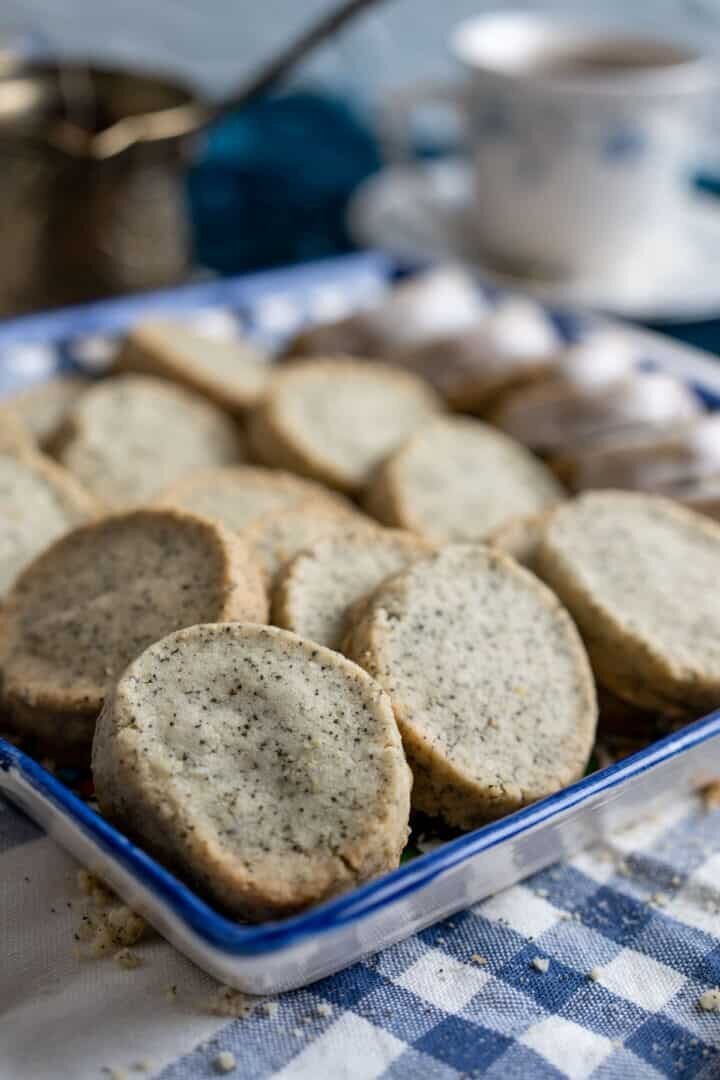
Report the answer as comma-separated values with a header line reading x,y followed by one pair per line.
x,y
270,184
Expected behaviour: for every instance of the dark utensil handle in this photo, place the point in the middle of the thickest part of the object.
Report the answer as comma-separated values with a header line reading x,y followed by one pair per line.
x,y
281,64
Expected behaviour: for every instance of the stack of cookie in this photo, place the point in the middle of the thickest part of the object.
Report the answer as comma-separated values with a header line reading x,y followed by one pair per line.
x,y
284,607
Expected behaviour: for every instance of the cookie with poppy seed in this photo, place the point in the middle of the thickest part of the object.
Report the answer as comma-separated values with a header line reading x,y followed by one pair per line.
x,y
100,595
335,420
637,572
131,436
491,686
232,374
264,769
317,590
458,479
39,501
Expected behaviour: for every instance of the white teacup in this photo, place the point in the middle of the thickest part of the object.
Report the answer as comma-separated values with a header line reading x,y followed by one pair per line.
x,y
579,138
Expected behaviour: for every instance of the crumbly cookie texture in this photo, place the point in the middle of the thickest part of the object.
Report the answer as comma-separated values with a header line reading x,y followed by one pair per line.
x,y
43,408
39,501
316,591
278,537
489,680
335,420
233,374
131,436
458,479
634,571
100,595
267,770
240,495
519,537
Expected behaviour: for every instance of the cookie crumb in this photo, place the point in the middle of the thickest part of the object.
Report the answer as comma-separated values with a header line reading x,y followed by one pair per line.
x,y
270,1008
323,1009
476,958
542,893
541,964
225,1062
594,974
171,992
229,1002
144,1065
710,1000
127,959
298,1032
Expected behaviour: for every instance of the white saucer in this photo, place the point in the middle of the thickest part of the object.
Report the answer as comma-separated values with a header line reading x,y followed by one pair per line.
x,y
421,211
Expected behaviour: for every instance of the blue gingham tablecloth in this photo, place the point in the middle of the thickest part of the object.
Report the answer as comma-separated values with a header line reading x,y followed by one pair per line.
x,y
594,968
630,933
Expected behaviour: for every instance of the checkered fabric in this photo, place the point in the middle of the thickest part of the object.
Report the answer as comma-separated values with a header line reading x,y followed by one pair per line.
x,y
630,933
592,969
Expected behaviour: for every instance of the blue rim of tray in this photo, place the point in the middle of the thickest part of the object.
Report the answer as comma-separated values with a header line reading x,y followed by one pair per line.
x,y
222,933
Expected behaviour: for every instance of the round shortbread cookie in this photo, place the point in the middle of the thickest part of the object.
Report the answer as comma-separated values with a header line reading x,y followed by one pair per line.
x,y
265,769
491,686
318,589
100,595
638,573
233,374
44,407
519,537
335,420
133,435
458,479
278,537
242,495
39,501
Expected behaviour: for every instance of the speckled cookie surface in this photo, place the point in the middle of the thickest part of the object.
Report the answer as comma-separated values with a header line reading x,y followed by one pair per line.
x,y
490,684
335,420
100,595
39,501
265,769
318,588
131,436
43,408
244,494
638,574
278,537
459,479
233,374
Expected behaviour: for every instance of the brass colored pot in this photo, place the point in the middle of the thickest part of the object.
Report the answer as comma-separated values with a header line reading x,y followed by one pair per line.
x,y
80,219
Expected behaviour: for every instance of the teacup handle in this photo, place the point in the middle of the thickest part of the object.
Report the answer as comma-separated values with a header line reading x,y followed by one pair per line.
x,y
395,122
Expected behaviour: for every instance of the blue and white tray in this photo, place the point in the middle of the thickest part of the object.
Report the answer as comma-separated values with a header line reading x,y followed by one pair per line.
x,y
293,952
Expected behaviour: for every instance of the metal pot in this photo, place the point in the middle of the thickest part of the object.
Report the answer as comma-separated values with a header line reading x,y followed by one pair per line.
x,y
77,222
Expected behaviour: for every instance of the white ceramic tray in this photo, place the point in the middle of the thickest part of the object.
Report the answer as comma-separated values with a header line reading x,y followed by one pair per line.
x,y
293,952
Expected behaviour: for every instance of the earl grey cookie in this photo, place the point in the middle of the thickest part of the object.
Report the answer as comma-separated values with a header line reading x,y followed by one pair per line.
x,y
638,574
100,595
317,590
39,501
232,374
265,769
489,680
335,420
131,436
458,479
